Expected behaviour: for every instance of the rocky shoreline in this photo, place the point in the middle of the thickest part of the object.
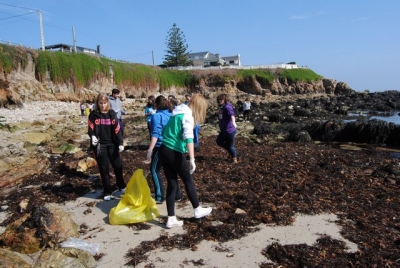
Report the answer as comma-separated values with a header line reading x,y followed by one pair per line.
x,y
281,172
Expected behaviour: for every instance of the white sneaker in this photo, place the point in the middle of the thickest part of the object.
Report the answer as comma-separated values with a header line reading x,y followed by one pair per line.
x,y
200,212
107,197
123,190
173,222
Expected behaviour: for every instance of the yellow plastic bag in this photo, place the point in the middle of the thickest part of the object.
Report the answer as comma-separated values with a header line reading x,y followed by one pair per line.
x,y
136,204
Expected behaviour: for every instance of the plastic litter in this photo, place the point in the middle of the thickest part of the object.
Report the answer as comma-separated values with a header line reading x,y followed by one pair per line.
x,y
136,205
79,243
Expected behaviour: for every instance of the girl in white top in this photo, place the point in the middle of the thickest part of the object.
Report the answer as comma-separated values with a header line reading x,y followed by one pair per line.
x,y
246,109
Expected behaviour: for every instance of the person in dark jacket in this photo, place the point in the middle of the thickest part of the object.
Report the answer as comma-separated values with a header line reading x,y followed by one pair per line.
x,y
106,143
227,126
116,105
158,121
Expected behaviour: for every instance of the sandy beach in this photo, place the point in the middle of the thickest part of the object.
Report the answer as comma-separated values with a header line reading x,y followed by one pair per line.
x,y
116,240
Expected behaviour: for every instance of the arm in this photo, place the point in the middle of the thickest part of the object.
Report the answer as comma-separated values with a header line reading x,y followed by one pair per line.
x,y
152,144
90,126
190,148
233,118
122,109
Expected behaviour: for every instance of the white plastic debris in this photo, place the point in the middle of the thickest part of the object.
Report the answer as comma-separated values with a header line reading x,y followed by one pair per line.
x,y
78,243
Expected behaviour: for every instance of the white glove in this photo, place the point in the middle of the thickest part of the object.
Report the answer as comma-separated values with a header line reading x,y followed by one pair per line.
x,y
95,141
192,166
149,153
234,124
121,148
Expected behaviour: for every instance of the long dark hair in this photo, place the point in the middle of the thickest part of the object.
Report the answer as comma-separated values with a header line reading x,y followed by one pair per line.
x,y
150,98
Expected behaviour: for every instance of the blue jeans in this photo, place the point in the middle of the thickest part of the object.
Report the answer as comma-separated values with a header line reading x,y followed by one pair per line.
x,y
121,125
227,141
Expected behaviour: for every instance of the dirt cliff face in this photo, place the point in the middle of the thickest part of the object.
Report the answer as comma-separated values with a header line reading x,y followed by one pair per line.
x,y
21,85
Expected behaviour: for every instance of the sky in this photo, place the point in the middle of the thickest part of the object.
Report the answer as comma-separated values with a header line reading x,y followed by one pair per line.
x,y
351,41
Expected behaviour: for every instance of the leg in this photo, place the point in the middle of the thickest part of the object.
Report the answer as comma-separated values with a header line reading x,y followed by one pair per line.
x,y
121,125
221,140
149,129
103,164
230,143
116,163
171,175
155,168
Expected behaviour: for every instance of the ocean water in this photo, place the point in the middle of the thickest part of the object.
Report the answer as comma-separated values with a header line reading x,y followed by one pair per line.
x,y
394,118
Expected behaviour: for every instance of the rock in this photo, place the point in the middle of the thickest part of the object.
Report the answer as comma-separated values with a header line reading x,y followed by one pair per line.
x,y
23,205
34,230
37,137
54,258
65,148
84,164
11,259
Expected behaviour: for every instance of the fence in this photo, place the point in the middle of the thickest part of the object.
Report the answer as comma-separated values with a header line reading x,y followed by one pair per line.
x,y
244,67
16,45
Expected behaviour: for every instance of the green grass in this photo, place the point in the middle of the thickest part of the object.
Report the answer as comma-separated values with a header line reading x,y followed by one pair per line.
x,y
82,69
69,67
11,57
297,75
263,76
169,78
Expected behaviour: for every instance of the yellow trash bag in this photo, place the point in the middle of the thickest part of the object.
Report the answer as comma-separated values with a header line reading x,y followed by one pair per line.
x,y
136,204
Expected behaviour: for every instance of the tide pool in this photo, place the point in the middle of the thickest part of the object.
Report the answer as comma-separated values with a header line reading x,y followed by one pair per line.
x,y
395,118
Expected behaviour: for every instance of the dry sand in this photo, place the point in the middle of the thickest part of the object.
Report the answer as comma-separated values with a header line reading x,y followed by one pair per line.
x,y
115,241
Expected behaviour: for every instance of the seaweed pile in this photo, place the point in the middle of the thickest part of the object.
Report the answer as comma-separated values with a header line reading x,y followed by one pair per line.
x,y
271,183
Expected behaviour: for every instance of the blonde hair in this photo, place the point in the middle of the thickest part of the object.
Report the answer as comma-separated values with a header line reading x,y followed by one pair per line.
x,y
198,105
104,97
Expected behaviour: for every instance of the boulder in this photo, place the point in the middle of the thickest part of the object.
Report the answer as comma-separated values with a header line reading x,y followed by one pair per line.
x,y
45,225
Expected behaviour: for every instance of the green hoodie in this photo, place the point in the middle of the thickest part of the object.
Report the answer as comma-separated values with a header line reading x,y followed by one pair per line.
x,y
179,129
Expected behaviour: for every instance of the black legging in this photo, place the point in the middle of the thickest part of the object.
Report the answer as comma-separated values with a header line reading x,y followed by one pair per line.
x,y
109,153
174,163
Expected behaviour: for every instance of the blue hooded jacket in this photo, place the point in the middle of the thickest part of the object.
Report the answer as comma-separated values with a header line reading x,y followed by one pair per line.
x,y
158,121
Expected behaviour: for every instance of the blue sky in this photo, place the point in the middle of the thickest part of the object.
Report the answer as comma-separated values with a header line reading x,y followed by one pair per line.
x,y
353,41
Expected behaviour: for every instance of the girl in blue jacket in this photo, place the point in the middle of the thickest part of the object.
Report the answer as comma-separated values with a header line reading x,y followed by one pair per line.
x,y
157,123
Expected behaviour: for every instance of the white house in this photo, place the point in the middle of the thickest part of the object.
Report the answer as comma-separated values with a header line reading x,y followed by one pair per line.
x,y
209,59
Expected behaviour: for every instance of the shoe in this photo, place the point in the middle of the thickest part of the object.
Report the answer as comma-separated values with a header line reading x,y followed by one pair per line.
x,y
107,197
234,160
159,201
178,200
173,222
122,190
200,212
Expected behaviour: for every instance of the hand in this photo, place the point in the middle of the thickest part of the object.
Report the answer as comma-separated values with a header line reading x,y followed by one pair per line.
x,y
95,141
192,166
234,124
121,148
149,153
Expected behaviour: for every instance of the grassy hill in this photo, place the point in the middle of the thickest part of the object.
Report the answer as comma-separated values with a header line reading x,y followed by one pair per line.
x,y
82,69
